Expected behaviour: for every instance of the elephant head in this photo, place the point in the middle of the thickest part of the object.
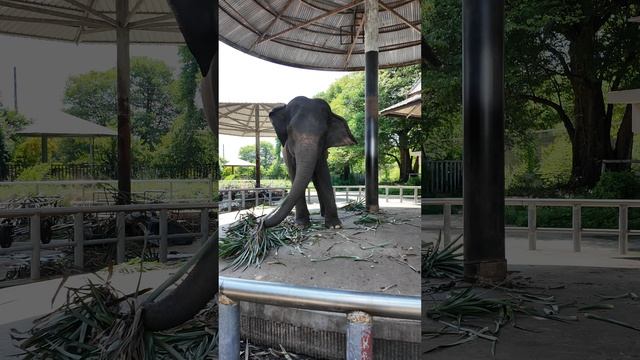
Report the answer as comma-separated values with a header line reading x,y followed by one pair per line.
x,y
198,21
307,128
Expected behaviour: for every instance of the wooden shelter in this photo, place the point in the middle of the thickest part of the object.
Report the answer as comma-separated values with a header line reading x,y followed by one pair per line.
x,y
61,124
247,120
122,22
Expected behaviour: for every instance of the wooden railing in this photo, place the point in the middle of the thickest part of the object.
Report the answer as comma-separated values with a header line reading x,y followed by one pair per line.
x,y
78,241
532,229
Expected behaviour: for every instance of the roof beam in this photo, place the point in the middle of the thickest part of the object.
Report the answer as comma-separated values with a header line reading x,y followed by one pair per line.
x,y
151,20
45,11
133,12
51,21
402,18
89,9
313,20
81,28
355,40
275,19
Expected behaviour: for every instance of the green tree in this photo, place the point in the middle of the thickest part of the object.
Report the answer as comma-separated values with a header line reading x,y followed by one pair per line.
x,y
560,59
396,136
267,154
184,145
92,96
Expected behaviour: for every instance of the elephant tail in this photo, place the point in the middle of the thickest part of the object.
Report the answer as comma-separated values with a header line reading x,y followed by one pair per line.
x,y
305,166
188,298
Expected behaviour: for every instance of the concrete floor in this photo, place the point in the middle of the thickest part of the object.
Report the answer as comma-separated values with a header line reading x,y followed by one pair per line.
x,y
552,340
392,268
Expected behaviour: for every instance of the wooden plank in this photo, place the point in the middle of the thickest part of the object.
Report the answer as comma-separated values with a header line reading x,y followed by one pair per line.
x,y
623,97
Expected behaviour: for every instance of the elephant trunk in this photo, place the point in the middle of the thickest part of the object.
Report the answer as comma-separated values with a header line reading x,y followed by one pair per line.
x,y
305,166
188,298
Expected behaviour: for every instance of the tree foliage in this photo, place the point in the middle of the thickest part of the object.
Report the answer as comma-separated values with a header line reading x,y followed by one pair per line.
x,y
561,57
346,98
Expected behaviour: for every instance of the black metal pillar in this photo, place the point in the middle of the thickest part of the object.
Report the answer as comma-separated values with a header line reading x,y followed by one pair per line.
x,y
483,113
257,115
371,104
44,149
124,125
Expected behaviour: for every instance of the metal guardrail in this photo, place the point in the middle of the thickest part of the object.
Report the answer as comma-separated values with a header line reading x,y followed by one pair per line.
x,y
359,307
35,215
532,229
270,195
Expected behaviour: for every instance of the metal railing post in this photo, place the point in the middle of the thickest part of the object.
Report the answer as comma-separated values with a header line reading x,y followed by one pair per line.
x,y
531,221
120,246
34,233
447,223
229,328
204,225
359,337
577,227
78,238
623,228
164,232
257,197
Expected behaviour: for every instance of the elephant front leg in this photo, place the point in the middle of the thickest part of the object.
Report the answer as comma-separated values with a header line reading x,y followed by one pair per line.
x,y
322,182
302,212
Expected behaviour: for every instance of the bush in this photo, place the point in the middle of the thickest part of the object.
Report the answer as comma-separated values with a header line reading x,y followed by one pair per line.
x,y
35,173
617,185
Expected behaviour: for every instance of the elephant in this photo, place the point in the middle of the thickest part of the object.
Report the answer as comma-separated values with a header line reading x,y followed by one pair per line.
x,y
198,22
307,128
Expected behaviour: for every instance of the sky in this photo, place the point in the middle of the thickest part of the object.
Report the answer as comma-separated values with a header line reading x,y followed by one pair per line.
x,y
245,78
43,67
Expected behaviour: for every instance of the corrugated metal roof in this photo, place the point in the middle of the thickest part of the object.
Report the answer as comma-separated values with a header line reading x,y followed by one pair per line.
x,y
325,44
89,21
61,124
239,119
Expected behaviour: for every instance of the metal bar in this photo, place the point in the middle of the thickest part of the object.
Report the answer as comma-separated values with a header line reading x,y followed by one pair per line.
x,y
78,238
164,231
483,117
623,227
313,298
34,233
204,225
257,124
359,336
120,247
124,124
577,227
447,224
532,225
229,332
371,21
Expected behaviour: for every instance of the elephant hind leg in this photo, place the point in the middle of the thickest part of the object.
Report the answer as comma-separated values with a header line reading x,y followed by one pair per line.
x,y
302,212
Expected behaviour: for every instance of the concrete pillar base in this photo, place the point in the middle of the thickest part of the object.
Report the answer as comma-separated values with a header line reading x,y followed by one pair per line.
x,y
485,271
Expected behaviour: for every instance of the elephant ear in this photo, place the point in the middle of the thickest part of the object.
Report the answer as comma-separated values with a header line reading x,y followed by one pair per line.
x,y
339,133
280,121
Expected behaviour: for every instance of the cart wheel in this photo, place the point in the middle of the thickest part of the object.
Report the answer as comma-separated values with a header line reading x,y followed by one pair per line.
x,y
5,236
45,231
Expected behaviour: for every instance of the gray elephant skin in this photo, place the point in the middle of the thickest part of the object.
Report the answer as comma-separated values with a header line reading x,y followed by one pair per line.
x,y
307,128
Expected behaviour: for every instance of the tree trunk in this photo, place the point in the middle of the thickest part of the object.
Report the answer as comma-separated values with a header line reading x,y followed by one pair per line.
x,y
624,142
346,171
405,156
591,143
